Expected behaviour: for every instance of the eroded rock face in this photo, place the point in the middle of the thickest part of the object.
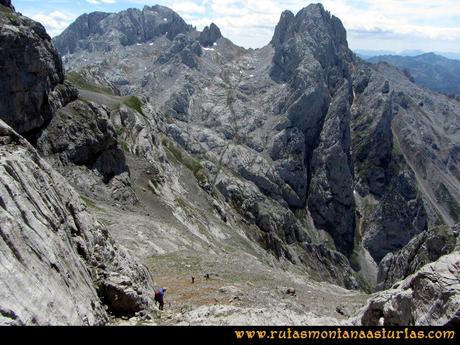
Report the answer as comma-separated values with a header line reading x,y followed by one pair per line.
x,y
59,258
421,250
30,67
429,297
393,210
311,56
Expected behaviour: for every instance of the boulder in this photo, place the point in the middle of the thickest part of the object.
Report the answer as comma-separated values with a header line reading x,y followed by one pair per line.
x,y
421,250
429,297
122,296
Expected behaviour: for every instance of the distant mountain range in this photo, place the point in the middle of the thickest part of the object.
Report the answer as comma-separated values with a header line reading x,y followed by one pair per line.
x,y
430,70
367,53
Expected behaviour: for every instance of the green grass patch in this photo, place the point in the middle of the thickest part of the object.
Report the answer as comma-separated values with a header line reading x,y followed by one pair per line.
x,y
124,146
193,164
177,263
134,103
443,195
12,17
90,203
82,83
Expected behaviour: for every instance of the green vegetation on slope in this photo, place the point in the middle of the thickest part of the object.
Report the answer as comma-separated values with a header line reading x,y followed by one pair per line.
x,y
134,103
174,153
443,195
82,83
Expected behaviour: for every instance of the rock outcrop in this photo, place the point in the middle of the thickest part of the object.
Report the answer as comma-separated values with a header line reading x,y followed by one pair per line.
x,y
80,29
59,264
30,67
81,133
429,297
424,248
210,35
392,211
58,261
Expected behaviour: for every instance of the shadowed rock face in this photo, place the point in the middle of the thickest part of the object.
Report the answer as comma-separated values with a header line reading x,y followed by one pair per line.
x,y
30,67
82,133
312,57
210,35
6,3
427,247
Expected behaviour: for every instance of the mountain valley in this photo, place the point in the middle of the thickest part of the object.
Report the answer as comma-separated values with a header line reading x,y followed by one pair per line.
x,y
291,184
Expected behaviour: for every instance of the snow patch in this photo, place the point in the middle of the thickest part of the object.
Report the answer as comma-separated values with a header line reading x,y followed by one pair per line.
x,y
209,49
165,19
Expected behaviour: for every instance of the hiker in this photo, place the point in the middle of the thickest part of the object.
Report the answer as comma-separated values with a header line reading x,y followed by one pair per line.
x,y
159,295
193,280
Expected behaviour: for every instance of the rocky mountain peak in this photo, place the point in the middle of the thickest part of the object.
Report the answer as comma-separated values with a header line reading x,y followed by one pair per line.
x,y
281,29
81,28
312,21
313,33
210,35
103,31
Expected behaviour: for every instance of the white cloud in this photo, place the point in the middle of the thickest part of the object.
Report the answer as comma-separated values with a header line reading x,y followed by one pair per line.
x,y
54,22
399,25
251,22
188,7
99,2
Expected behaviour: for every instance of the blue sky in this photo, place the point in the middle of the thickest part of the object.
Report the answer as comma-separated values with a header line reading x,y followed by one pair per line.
x,y
371,24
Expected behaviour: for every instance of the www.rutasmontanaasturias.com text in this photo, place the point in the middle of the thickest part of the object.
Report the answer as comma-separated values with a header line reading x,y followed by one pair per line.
x,y
339,333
